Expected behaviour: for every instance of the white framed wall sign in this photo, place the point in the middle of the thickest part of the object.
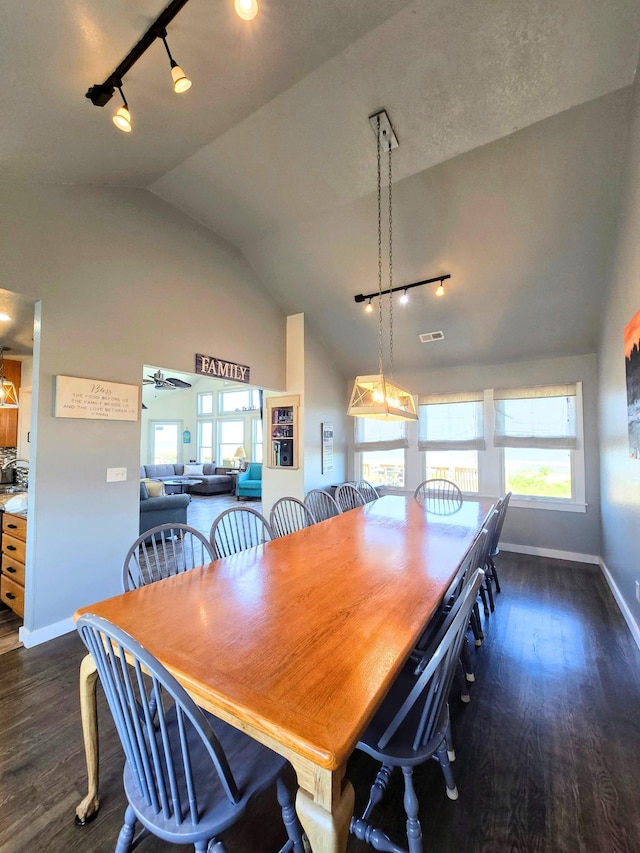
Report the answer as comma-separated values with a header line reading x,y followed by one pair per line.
x,y
95,399
327,448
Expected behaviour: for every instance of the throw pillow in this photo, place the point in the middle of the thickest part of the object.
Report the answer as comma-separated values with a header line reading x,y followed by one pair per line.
x,y
193,470
155,488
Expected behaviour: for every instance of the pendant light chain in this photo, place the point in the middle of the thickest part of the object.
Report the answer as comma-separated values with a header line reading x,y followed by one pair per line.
x,y
380,346
390,271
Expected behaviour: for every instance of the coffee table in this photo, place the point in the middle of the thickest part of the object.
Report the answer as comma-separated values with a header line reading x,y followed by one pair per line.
x,y
181,482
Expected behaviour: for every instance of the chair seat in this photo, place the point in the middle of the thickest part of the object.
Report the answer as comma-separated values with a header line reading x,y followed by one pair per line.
x,y
254,766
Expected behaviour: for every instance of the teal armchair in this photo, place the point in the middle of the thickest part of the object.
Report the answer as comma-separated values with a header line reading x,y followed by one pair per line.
x,y
249,482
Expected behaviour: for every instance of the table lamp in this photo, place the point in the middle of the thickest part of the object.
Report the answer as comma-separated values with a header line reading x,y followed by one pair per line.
x,y
240,456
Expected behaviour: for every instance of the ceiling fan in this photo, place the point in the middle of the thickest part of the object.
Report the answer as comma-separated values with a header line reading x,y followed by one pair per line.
x,y
165,383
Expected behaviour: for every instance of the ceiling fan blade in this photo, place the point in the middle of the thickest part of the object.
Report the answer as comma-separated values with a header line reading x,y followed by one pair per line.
x,y
178,383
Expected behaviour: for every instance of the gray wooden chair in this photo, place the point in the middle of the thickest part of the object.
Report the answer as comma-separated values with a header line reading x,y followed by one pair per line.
x,y
494,550
288,515
486,591
165,550
439,496
436,628
368,492
412,726
348,497
321,504
237,529
187,775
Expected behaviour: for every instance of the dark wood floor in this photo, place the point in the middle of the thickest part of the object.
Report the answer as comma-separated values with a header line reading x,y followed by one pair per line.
x,y
202,511
548,749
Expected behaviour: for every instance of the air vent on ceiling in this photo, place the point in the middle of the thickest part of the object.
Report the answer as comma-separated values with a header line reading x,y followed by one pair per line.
x,y
428,337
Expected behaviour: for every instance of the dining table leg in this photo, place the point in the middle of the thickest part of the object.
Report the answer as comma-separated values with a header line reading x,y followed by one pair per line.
x,y
326,813
87,809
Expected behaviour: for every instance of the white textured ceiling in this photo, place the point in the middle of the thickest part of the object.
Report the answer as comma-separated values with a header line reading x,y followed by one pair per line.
x,y
511,117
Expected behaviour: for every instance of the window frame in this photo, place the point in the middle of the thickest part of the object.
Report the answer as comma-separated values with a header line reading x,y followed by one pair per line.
x,y
578,502
173,422
382,445
491,476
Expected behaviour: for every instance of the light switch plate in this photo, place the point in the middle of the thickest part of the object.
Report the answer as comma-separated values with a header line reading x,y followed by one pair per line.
x,y
115,475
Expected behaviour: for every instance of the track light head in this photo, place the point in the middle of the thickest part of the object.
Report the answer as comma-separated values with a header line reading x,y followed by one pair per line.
x,y
181,82
369,306
246,9
122,117
440,289
404,298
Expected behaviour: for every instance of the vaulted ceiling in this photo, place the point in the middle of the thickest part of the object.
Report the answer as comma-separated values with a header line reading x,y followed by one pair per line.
x,y
512,119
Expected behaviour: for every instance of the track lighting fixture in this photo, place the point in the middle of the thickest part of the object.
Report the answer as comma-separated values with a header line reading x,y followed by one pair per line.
x,y
369,308
181,82
122,117
101,93
404,287
246,9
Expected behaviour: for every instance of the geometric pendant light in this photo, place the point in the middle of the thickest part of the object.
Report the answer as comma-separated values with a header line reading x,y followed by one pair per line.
x,y
377,396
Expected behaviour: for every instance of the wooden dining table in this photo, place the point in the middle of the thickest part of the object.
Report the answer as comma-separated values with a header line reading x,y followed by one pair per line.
x,y
297,641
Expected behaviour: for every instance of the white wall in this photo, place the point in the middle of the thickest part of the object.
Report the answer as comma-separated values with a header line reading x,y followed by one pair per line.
x,y
620,475
326,401
312,375
124,280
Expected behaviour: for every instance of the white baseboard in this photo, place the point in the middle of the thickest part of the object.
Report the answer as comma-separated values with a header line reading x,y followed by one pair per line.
x,y
622,604
49,632
552,553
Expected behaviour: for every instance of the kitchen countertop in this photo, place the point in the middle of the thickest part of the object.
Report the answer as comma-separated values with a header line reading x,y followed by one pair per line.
x,y
4,498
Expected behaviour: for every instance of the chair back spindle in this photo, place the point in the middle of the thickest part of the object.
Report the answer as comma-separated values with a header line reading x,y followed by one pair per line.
x,y
165,550
321,504
237,529
288,515
348,497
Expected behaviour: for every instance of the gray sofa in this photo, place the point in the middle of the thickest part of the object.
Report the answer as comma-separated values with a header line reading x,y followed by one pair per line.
x,y
169,509
215,481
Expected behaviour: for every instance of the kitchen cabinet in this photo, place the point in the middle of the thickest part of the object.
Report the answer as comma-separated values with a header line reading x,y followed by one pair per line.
x,y
9,417
12,567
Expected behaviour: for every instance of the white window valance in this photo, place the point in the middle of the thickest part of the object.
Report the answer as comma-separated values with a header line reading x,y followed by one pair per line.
x,y
542,416
451,421
372,434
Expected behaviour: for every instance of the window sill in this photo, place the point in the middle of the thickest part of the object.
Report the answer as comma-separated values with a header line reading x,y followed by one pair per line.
x,y
540,503
521,503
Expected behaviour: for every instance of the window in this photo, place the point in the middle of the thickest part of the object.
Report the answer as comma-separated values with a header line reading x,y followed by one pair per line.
x,y
205,403
528,441
243,400
230,438
383,467
537,427
205,441
538,473
459,466
381,445
164,441
451,432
